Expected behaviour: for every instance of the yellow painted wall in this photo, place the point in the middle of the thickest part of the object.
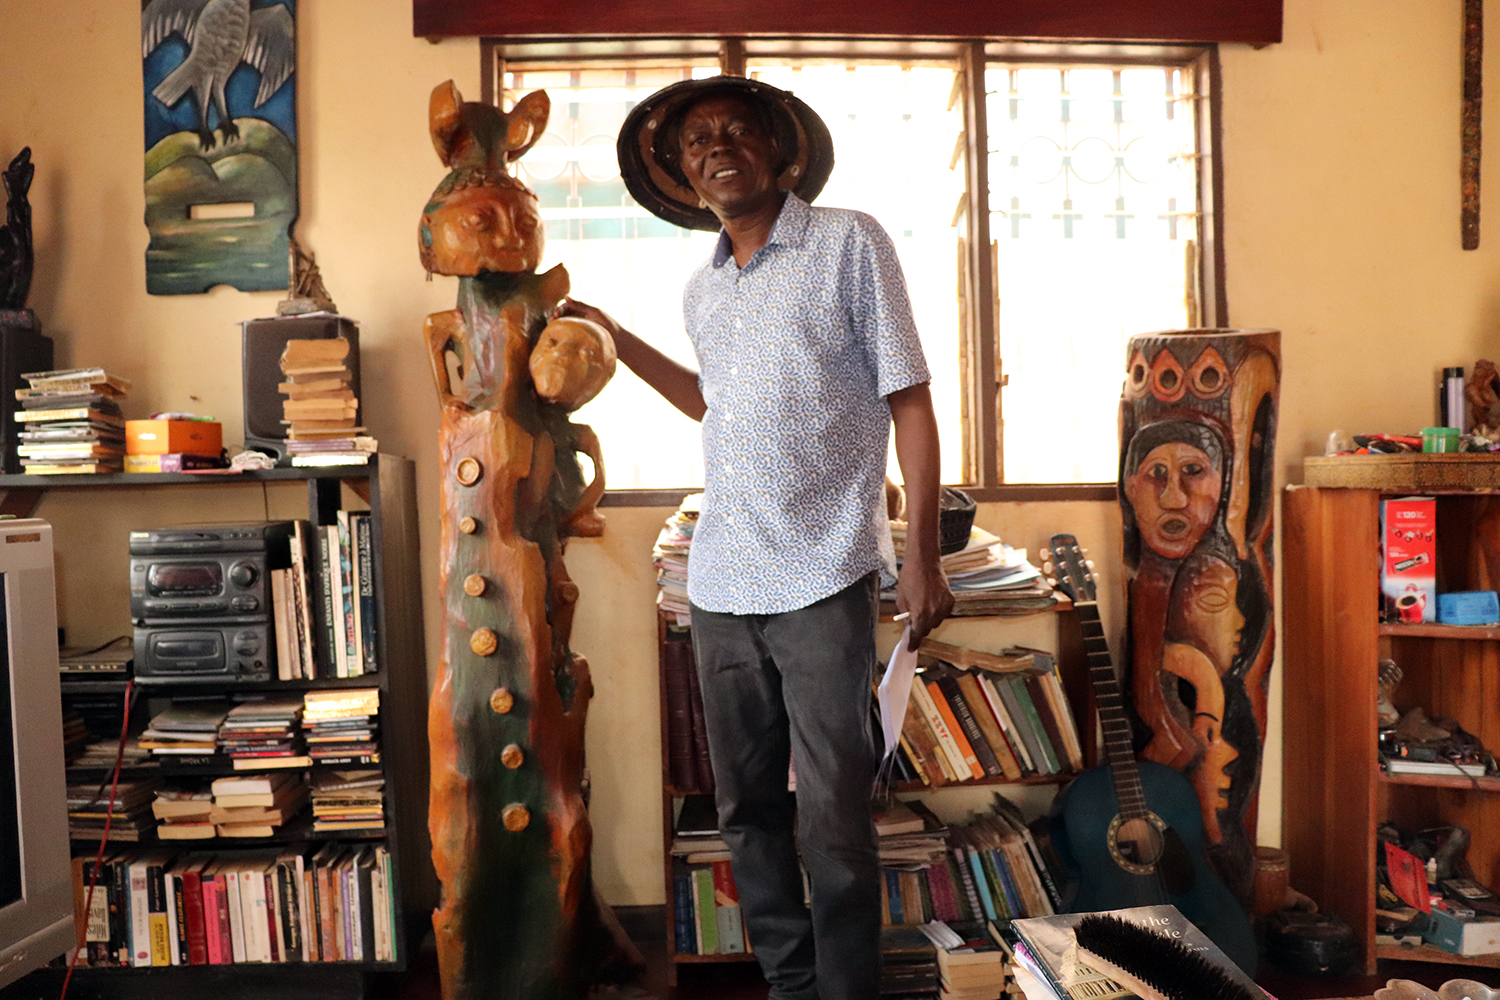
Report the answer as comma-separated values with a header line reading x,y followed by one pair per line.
x,y
1341,202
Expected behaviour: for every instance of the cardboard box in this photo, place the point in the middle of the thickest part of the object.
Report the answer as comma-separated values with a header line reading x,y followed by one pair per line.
x,y
168,437
1474,936
1408,559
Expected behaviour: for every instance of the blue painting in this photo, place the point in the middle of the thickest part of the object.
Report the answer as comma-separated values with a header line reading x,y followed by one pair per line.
x,y
221,130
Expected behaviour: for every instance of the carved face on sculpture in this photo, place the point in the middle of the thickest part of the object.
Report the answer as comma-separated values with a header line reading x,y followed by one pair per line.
x,y
1204,611
572,361
491,223
1173,481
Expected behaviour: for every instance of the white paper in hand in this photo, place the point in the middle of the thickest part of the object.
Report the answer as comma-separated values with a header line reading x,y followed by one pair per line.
x,y
895,690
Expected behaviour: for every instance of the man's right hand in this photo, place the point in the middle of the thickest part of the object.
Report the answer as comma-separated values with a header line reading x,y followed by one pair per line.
x,y
677,384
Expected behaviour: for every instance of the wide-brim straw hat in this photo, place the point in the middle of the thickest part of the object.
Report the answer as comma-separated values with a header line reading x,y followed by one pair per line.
x,y
806,147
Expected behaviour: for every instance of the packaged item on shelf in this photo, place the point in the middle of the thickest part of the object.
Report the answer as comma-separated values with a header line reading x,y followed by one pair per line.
x,y
1408,559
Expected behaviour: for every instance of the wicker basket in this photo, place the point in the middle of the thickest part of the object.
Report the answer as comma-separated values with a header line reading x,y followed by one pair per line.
x,y
955,520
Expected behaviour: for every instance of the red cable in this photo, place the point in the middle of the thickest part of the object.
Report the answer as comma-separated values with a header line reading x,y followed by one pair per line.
x,y
109,814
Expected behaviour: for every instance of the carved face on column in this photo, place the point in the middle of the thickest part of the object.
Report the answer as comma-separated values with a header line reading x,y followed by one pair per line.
x,y
1173,480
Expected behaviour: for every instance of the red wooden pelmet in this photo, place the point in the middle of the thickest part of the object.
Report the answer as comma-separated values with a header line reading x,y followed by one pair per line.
x,y
1255,21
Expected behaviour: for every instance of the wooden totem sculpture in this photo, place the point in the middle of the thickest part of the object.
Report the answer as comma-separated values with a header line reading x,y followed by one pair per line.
x,y
510,831
1197,439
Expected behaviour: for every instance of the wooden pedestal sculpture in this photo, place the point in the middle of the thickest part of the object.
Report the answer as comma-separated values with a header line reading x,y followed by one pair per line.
x,y
510,831
1197,438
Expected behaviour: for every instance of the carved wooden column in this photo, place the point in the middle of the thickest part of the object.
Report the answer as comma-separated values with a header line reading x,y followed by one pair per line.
x,y
510,829
1197,439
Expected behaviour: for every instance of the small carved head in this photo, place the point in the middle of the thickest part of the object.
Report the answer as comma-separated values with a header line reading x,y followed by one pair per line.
x,y
572,361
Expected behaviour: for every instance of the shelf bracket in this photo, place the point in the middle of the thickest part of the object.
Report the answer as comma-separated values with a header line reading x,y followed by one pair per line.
x,y
21,501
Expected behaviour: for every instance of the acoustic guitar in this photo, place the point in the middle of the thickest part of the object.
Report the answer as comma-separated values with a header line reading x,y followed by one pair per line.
x,y
1132,829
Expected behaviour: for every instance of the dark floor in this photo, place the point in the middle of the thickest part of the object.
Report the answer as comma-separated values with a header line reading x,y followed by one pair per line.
x,y
742,981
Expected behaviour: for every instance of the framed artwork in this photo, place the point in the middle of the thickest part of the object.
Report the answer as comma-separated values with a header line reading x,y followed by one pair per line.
x,y
221,142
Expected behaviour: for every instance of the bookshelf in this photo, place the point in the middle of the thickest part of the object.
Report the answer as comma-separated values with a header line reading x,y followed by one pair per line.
x,y
1055,629
387,487
1335,795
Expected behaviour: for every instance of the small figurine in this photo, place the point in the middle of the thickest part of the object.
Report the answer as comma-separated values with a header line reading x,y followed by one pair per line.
x,y
15,236
305,292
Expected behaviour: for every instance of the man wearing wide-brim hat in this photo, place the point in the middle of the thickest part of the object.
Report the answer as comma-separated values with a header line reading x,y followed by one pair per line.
x,y
807,353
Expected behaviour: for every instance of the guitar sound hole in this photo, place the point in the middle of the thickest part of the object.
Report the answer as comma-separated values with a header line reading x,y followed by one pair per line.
x,y
1136,843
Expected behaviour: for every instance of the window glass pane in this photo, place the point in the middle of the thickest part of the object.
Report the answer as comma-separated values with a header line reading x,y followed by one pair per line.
x,y
620,258
1093,201
893,138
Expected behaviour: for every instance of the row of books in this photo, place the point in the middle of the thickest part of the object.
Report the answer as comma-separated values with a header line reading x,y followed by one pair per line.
x,y
156,909
71,421
967,723
259,731
323,605
706,910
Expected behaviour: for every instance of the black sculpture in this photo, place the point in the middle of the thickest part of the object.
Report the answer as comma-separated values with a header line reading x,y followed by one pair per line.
x,y
15,235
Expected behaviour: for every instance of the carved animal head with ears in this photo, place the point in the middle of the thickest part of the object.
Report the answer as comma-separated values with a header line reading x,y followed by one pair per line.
x,y
481,218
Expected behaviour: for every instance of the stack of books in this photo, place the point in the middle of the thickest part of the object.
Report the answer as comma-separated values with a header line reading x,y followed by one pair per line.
x,y
351,802
129,818
263,732
246,806
908,964
320,411
997,715
987,577
670,555
185,728
340,725
972,965
75,734
183,813
101,753
72,422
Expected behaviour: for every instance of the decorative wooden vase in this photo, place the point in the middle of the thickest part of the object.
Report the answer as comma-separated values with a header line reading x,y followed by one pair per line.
x,y
510,829
1197,440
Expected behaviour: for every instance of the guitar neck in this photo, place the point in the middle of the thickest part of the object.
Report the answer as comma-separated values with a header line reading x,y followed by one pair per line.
x,y
1119,749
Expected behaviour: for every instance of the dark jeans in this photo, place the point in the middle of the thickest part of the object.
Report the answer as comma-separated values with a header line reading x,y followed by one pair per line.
x,y
799,683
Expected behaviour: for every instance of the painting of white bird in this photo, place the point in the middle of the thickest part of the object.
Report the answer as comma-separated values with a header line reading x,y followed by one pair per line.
x,y
221,34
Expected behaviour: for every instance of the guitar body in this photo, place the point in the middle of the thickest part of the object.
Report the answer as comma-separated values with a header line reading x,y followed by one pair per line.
x,y
1116,870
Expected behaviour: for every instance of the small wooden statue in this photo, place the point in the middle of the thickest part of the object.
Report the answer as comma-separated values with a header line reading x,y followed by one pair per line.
x,y
305,292
1198,426
16,256
510,830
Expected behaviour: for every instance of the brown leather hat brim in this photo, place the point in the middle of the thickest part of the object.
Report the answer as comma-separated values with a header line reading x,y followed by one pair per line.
x,y
803,137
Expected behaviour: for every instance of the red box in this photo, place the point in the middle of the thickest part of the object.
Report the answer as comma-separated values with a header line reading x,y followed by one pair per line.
x,y
1408,559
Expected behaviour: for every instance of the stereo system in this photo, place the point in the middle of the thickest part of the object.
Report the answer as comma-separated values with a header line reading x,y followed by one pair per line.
x,y
201,601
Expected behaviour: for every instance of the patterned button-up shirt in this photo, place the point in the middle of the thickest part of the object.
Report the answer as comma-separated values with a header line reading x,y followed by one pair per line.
x,y
797,351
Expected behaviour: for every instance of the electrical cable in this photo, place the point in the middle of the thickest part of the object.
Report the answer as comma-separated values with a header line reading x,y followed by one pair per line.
x,y
109,815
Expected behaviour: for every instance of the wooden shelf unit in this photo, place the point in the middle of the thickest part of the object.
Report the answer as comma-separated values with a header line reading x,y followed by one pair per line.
x,y
387,484
1076,684
1334,795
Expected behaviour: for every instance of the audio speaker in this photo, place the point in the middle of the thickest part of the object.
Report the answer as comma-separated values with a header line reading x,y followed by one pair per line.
x,y
24,350
264,340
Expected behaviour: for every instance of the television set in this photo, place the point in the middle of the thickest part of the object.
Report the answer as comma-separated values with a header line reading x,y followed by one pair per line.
x,y
36,891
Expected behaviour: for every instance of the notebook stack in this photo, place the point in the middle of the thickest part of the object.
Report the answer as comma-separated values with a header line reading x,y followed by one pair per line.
x,y
183,813
320,411
670,555
350,802
258,805
75,734
263,733
340,725
185,729
129,819
72,422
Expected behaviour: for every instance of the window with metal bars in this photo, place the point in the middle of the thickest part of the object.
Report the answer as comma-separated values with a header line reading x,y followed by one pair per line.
x,y
1046,204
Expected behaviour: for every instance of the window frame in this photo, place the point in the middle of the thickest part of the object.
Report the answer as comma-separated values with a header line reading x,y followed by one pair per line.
x,y
982,399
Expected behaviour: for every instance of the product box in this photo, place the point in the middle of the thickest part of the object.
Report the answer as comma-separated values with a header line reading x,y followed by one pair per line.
x,y
171,437
1472,936
175,462
1408,559
1469,607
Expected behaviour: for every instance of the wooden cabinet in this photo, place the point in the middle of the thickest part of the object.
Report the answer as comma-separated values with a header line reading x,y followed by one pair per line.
x,y
1335,795
387,485
1057,629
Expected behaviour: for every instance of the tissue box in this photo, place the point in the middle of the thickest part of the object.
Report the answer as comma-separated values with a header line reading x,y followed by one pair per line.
x,y
169,437
1475,936
1469,607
